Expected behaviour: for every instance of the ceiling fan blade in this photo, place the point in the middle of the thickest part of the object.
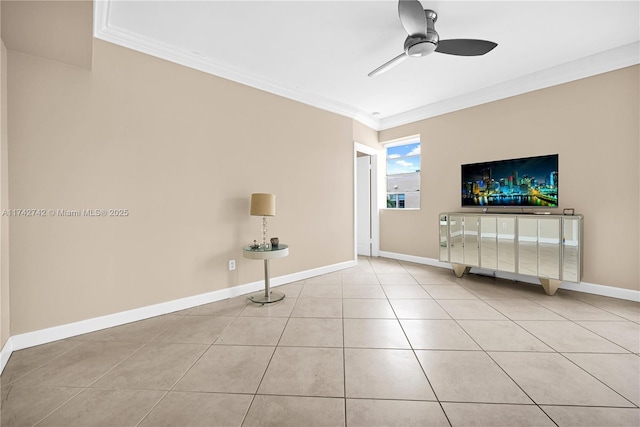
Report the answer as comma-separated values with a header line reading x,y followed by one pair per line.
x,y
388,65
465,47
412,17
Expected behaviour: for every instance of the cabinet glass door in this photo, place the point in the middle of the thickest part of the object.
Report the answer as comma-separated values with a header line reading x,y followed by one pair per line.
x,y
470,233
507,244
528,246
455,239
549,248
571,250
444,238
488,243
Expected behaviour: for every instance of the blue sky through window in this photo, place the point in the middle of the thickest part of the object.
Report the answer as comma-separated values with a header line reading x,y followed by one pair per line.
x,y
403,158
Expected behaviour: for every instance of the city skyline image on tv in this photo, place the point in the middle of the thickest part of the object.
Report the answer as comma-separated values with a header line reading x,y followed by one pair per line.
x,y
523,182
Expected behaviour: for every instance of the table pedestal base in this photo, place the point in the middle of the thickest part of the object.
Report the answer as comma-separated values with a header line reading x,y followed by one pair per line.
x,y
261,298
268,296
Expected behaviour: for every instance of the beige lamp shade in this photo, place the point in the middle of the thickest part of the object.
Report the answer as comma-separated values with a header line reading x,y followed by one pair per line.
x,y
263,204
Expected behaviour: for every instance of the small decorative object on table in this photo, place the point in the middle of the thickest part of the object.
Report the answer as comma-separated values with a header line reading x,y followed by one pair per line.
x,y
255,245
275,242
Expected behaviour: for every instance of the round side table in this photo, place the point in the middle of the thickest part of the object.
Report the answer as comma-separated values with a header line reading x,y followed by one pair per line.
x,y
266,254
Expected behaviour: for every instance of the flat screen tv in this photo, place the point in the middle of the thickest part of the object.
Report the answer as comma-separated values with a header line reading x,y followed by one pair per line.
x,y
518,183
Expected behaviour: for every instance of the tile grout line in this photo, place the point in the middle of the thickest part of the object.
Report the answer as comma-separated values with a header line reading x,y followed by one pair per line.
x,y
78,343
187,370
153,407
493,360
80,390
565,355
418,359
488,355
598,379
166,392
275,348
344,360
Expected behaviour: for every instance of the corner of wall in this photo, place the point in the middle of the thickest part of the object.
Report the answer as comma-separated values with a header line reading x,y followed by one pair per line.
x,y
363,134
5,330
60,31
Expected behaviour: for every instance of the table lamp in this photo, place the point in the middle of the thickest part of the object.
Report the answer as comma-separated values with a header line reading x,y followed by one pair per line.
x,y
263,204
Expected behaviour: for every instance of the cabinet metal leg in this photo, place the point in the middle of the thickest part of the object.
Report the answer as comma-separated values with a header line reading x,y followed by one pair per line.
x,y
550,285
460,269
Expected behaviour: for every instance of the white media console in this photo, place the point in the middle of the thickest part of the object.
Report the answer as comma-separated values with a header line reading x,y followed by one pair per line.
x,y
545,246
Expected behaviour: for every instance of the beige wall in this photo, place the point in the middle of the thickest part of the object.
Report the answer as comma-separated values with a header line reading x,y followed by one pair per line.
x,y
182,151
591,123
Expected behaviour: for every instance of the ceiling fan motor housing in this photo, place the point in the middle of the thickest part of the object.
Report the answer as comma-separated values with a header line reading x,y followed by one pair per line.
x,y
423,44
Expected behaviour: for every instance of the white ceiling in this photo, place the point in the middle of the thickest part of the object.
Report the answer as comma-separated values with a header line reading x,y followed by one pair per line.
x,y
319,52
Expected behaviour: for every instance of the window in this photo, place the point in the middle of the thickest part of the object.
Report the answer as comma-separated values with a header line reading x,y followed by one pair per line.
x,y
403,174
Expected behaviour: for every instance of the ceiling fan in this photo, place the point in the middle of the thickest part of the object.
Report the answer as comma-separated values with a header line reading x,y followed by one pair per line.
x,y
423,38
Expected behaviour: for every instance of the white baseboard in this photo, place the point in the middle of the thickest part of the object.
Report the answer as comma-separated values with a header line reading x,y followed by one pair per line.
x,y
5,353
607,291
43,336
415,259
588,288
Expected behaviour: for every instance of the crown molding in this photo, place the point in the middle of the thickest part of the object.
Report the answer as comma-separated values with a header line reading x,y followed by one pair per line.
x,y
610,60
602,62
103,30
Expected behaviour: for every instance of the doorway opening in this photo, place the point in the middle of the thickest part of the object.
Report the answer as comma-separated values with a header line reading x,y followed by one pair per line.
x,y
366,200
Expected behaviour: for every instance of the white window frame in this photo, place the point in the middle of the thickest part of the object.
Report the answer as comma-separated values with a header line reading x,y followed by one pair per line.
x,y
395,143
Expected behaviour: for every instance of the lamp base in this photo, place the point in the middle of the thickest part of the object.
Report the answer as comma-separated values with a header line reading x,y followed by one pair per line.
x,y
261,298
264,232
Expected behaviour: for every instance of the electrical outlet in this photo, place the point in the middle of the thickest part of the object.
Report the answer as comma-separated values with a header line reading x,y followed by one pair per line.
x,y
232,265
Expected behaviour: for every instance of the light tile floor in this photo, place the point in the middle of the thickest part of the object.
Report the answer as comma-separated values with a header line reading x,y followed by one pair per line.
x,y
385,343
